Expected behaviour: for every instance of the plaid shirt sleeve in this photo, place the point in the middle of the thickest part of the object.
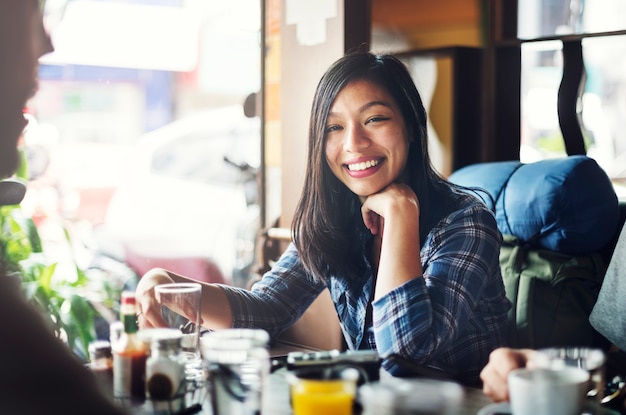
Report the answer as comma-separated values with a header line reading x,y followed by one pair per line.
x,y
456,314
278,299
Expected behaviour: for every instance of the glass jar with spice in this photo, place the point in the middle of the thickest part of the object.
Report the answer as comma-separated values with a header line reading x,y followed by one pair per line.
x,y
101,364
165,371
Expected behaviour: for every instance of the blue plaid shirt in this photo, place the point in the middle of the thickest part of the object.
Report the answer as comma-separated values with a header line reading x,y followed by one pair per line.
x,y
451,319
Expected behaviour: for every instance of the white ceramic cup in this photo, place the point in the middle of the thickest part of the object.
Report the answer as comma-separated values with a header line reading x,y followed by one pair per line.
x,y
542,391
592,360
415,396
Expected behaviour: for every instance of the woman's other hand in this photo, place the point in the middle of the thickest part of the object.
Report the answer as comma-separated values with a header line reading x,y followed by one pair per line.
x,y
495,374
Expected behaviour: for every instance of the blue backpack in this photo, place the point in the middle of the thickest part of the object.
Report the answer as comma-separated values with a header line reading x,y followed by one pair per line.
x,y
555,216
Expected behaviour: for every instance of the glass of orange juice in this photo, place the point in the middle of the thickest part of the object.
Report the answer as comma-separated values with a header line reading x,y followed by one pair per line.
x,y
326,390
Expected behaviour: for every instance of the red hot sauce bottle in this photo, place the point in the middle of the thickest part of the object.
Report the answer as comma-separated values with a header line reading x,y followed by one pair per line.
x,y
129,356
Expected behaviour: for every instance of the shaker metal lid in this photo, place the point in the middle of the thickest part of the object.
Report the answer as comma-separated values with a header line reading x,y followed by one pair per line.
x,y
99,349
152,335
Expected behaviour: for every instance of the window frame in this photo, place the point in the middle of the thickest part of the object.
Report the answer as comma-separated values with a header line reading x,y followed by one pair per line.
x,y
503,82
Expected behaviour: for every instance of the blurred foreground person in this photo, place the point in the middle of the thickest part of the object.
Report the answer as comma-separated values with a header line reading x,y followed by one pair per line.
x,y
38,373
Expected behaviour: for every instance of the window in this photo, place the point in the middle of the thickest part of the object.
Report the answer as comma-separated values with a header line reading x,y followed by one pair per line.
x,y
601,104
539,45
175,73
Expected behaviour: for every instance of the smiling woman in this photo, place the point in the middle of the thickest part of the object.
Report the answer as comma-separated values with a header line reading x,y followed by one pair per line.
x,y
380,235
410,260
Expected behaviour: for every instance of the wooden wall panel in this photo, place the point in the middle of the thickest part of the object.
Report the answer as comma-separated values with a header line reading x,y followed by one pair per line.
x,y
431,24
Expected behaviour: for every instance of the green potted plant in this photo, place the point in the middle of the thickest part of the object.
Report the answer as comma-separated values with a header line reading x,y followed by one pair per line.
x,y
69,300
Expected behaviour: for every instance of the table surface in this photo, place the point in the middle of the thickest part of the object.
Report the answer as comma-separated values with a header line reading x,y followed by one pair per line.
x,y
277,400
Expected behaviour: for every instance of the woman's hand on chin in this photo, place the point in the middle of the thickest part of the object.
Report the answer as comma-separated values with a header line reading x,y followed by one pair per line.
x,y
395,199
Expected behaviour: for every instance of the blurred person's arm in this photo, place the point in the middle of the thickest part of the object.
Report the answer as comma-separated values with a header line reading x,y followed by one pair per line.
x,y
40,374
495,374
608,316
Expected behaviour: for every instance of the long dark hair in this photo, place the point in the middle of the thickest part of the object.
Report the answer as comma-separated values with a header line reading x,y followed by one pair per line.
x,y
327,221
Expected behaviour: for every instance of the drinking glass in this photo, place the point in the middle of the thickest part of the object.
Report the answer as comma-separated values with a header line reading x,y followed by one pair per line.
x,y
323,390
180,308
238,365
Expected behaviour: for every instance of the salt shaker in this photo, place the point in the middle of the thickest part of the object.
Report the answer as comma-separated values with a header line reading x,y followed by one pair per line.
x,y
165,372
101,364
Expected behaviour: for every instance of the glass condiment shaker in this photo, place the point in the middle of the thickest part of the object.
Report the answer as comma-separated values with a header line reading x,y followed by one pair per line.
x,y
165,372
101,364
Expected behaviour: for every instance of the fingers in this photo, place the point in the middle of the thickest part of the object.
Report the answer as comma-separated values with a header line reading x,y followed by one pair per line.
x,y
371,220
396,199
142,322
495,383
148,308
190,312
150,316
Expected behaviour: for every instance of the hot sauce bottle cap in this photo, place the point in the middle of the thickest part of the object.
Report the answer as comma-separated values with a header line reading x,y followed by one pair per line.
x,y
128,303
128,298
